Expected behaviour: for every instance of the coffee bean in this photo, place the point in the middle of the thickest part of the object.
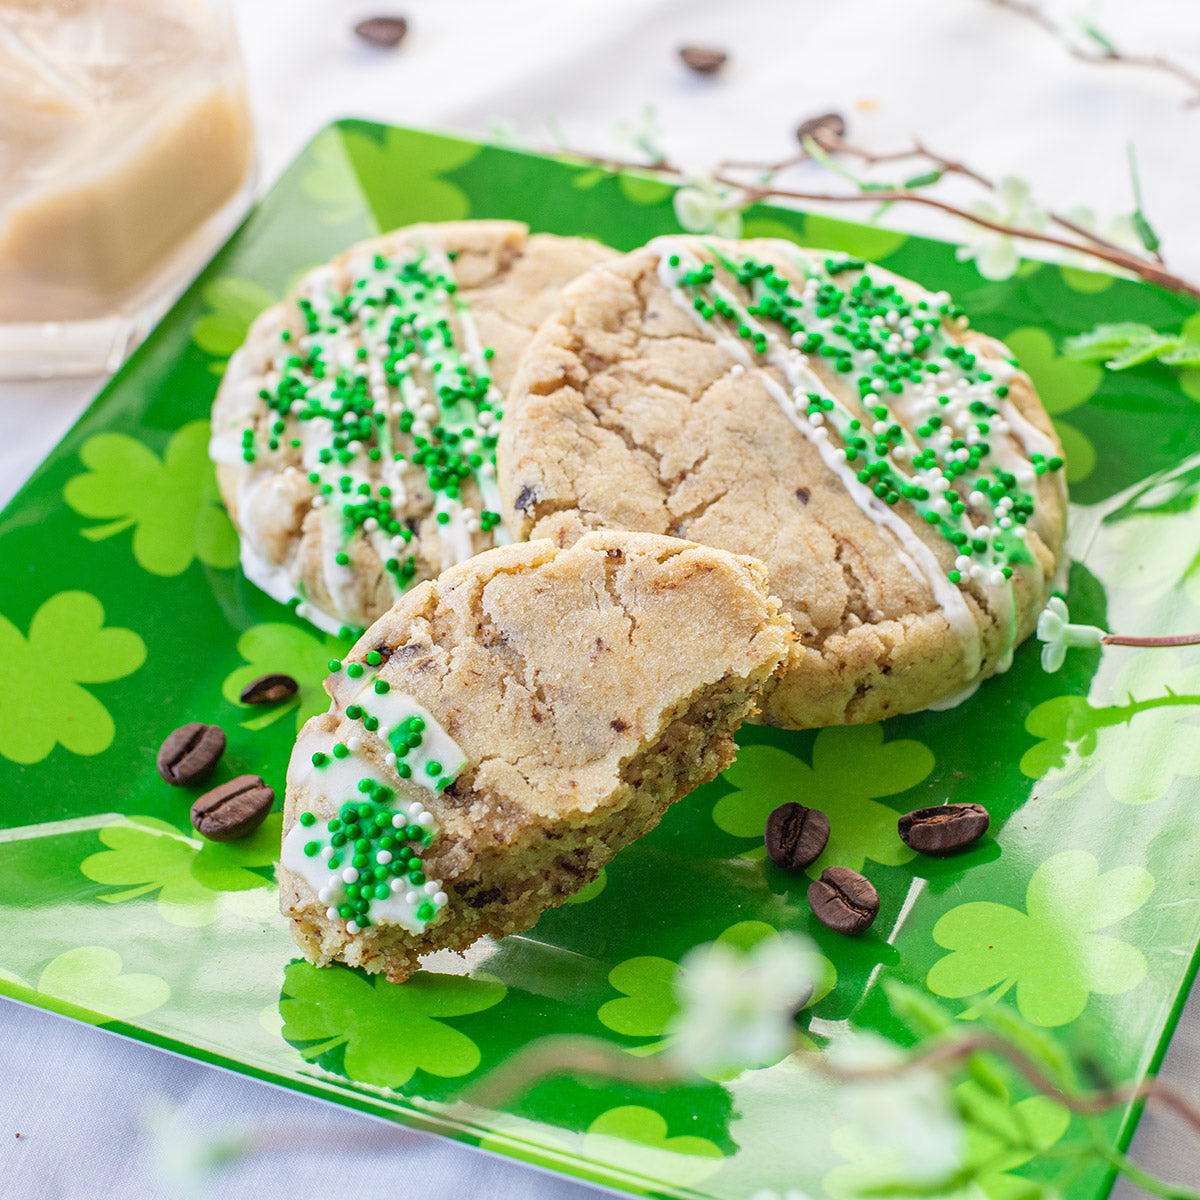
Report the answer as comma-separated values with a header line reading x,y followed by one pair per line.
x,y
233,810
946,829
190,753
269,689
386,32
704,60
843,900
796,835
827,130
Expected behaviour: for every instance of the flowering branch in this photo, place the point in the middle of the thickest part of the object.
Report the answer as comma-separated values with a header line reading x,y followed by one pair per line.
x,y
1106,52
1058,635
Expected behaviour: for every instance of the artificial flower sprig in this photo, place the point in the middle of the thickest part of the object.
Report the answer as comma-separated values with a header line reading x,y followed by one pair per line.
x,y
1058,634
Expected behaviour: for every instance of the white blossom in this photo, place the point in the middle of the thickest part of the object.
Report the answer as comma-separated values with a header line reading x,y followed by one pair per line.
x,y
995,254
1058,635
705,206
737,1007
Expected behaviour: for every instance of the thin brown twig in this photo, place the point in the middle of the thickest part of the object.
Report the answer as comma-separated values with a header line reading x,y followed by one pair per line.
x,y
918,150
951,1052
1110,55
1179,639
567,1054
1152,272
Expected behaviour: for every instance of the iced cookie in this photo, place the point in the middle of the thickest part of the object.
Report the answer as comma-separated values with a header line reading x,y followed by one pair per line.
x,y
355,431
503,731
893,469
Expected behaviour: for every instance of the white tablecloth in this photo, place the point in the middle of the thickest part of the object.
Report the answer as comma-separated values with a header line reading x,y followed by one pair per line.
x,y
973,81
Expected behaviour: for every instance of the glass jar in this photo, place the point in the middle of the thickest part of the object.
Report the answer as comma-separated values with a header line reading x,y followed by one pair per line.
x,y
126,153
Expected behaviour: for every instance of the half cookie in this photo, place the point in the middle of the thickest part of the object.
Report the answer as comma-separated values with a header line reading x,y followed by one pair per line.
x,y
893,469
354,433
500,734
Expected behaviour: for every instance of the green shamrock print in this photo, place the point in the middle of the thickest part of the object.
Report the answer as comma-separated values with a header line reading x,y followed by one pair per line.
x,y
851,768
389,1030
329,179
171,503
231,304
1149,740
1062,384
147,855
91,979
647,983
635,1139
1052,953
400,175
88,984
41,701
278,648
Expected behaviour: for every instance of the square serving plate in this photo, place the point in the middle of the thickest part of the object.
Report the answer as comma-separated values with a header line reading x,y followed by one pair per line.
x,y
123,614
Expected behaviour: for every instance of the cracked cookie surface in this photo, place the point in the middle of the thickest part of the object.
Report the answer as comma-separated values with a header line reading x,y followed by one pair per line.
x,y
741,395
570,696
354,431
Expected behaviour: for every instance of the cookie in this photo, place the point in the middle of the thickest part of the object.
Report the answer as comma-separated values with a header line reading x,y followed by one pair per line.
x,y
354,432
505,729
892,468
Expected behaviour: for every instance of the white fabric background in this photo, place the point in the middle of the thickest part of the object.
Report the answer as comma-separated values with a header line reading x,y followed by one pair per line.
x,y
973,81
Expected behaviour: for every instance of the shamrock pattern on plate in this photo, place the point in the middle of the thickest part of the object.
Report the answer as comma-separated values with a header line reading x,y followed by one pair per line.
x,y
852,768
1150,735
231,304
389,1031
1054,953
276,647
648,985
172,504
1062,385
146,855
636,1139
42,700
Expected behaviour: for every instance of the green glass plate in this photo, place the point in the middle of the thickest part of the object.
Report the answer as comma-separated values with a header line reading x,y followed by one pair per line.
x,y
123,614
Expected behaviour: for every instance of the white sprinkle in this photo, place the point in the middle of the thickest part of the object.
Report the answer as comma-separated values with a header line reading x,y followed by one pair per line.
x,y
411,897
391,760
816,419
325,895
398,821
397,884
370,524
428,412
350,875
737,371
353,744
431,888
353,926
962,563
383,857
332,913
425,819
440,898
326,852
996,577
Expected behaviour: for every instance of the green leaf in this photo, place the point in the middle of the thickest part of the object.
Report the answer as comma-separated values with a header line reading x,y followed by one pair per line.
x,y
172,504
636,1139
586,180
146,855
289,649
1053,952
851,767
389,1031
41,701
923,180
91,977
330,181
231,305
916,1008
1185,354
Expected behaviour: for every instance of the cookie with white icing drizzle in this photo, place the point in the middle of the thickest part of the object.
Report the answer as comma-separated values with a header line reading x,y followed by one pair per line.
x,y
354,432
504,730
893,469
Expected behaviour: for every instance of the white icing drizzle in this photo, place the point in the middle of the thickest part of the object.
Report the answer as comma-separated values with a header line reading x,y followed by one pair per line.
x,y
916,556
343,345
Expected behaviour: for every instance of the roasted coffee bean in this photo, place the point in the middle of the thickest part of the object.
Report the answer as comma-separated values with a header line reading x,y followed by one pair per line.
x,y
946,829
233,810
827,130
704,60
386,32
190,753
269,689
843,900
796,835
